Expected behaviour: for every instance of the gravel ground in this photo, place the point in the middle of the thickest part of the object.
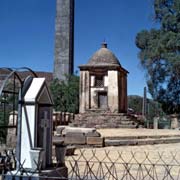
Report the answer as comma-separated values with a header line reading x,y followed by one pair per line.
x,y
153,149
156,162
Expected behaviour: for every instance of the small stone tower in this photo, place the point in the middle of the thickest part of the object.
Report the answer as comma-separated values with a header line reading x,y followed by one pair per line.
x,y
64,39
103,83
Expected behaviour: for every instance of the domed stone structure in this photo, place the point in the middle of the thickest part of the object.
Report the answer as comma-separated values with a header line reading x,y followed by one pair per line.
x,y
104,57
103,83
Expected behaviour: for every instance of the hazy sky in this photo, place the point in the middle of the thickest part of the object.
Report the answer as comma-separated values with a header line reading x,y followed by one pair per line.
x,y
27,33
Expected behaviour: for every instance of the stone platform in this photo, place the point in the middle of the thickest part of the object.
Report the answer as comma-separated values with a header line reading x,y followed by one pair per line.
x,y
124,137
106,120
118,137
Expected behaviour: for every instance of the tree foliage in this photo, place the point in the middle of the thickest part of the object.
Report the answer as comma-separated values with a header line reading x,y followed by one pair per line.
x,y
66,94
135,102
160,55
153,108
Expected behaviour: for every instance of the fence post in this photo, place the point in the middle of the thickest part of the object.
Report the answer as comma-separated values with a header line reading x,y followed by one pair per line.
x,y
67,118
63,118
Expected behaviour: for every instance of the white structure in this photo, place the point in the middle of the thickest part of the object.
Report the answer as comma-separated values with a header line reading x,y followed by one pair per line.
x,y
36,123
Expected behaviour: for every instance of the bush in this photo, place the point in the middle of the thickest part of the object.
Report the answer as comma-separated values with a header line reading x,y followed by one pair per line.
x,y
66,94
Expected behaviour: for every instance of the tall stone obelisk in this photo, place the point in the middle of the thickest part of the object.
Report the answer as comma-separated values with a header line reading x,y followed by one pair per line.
x,y
64,39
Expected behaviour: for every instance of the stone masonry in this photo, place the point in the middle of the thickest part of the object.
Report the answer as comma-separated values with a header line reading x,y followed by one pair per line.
x,y
103,83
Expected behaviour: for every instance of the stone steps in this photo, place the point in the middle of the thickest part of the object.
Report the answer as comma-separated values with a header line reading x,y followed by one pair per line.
x,y
109,125
140,140
92,138
142,137
121,141
105,120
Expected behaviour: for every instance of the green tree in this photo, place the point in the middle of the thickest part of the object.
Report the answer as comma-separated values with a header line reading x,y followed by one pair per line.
x,y
66,94
153,108
135,102
160,55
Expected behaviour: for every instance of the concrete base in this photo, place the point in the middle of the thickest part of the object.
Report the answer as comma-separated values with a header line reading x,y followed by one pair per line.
x,y
96,141
58,172
47,174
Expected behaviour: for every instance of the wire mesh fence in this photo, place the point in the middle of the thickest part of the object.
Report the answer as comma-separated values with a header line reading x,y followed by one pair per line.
x,y
98,164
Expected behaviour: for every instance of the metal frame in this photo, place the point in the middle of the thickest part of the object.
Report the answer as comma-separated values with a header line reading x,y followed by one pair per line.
x,y
12,75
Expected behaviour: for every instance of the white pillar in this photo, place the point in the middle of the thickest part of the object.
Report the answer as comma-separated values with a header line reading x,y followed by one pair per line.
x,y
84,91
113,92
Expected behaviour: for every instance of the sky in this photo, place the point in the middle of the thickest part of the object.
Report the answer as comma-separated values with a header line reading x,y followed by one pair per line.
x,y
27,33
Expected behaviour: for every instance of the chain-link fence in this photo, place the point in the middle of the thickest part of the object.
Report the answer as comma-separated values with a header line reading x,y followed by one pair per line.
x,y
91,164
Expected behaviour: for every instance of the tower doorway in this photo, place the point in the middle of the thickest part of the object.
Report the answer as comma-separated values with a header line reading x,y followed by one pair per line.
x,y
102,100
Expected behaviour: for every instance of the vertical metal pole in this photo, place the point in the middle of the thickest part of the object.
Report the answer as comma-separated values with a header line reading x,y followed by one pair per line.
x,y
19,123
14,102
144,109
4,108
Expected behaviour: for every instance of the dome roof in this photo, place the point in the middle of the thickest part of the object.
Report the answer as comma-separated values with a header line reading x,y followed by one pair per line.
x,y
103,57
